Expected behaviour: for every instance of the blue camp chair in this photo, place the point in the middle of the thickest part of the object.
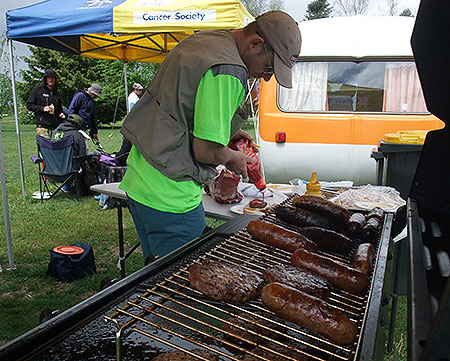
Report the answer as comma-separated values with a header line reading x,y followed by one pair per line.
x,y
57,166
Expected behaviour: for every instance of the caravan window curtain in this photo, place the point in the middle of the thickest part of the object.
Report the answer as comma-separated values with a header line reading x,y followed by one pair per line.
x,y
403,92
309,88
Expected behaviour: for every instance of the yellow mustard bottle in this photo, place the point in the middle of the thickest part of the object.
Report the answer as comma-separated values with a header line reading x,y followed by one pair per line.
x,y
313,186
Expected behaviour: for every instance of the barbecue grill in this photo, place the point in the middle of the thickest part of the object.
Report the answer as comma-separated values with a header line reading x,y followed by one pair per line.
x,y
156,310
428,209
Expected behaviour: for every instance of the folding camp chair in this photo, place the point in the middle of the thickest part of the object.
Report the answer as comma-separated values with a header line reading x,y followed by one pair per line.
x,y
57,166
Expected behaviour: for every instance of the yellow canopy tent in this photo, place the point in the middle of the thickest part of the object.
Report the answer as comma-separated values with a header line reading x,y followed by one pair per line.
x,y
128,30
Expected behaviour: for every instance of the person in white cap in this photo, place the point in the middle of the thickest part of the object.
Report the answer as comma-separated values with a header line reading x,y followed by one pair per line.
x,y
181,127
134,95
83,104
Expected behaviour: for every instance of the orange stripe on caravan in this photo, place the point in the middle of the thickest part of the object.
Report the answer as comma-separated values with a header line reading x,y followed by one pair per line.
x,y
332,128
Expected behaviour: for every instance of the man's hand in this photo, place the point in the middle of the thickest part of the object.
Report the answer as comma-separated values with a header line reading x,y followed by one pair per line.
x,y
95,138
214,154
243,134
62,116
47,108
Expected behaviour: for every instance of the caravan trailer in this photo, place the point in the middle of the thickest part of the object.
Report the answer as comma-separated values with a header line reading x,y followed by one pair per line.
x,y
355,81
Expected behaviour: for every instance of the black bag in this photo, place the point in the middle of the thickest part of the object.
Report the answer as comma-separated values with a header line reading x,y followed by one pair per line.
x,y
68,268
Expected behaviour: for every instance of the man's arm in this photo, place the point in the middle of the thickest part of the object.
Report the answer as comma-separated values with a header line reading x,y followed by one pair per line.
x,y
74,105
214,154
31,103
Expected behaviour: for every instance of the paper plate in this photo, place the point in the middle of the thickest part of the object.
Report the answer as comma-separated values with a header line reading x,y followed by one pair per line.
x,y
388,207
239,209
282,188
37,195
68,250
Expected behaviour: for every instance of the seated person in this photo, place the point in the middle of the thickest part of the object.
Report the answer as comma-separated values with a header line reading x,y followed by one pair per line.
x,y
88,164
122,154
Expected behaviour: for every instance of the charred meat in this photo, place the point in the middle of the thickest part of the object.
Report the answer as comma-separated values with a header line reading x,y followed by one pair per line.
x,y
298,278
223,281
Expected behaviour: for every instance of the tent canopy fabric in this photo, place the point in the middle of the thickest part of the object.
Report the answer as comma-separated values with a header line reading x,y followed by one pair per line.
x,y
128,30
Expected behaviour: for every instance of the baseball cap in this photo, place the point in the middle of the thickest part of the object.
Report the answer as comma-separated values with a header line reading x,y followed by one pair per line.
x,y
137,86
75,118
281,32
96,89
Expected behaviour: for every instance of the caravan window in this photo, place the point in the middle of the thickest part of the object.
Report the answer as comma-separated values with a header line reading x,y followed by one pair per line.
x,y
392,87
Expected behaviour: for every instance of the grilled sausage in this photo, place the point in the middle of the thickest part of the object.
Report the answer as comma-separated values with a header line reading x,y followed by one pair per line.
x,y
356,223
372,228
339,275
376,212
303,218
328,240
363,257
310,312
279,237
322,206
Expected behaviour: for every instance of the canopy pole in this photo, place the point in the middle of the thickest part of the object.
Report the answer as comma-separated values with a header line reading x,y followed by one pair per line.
x,y
126,83
5,206
16,116
5,196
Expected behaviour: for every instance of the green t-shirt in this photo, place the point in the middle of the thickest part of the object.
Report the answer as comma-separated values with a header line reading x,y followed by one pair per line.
x,y
217,99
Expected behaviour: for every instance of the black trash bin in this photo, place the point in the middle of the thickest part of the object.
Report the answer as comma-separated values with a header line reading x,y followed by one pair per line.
x,y
397,163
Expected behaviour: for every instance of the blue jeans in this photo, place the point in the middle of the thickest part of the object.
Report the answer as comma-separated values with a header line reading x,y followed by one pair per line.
x,y
161,232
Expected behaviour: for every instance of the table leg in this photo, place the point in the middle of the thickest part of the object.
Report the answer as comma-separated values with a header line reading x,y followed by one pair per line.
x,y
121,246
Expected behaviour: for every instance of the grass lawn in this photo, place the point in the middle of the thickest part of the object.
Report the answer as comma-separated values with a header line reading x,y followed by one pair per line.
x,y
38,227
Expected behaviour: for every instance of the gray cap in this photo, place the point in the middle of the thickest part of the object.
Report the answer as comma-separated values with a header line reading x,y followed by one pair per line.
x,y
96,90
281,32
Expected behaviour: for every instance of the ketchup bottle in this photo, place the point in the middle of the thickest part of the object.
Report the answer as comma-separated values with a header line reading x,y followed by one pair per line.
x,y
254,168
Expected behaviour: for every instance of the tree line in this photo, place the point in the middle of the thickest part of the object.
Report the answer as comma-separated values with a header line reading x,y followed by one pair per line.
x,y
78,73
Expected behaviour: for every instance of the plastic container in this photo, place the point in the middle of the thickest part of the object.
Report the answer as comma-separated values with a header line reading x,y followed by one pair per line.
x,y
253,169
406,137
313,186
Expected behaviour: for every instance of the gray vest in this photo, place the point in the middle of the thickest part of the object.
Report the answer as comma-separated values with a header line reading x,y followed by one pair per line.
x,y
161,123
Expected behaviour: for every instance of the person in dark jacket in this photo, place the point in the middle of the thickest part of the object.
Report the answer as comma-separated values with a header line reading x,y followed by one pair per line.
x,y
45,102
83,104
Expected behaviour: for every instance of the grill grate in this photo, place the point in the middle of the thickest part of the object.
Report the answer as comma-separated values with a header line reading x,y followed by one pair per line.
x,y
179,317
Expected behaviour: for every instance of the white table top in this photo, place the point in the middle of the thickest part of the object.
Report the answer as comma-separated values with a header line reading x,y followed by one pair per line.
x,y
212,208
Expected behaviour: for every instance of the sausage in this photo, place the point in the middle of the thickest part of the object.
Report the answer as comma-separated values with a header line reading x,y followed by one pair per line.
x,y
322,206
363,257
303,218
372,228
356,223
328,240
376,212
310,312
339,275
279,237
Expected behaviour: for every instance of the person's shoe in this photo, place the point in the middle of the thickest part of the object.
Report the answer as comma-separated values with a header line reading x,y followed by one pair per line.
x,y
150,259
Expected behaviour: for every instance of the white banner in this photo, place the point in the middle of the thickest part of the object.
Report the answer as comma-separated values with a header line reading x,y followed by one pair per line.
x,y
186,16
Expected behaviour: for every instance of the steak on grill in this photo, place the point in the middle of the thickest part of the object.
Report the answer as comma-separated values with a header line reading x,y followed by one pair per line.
x,y
223,281
183,356
298,278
